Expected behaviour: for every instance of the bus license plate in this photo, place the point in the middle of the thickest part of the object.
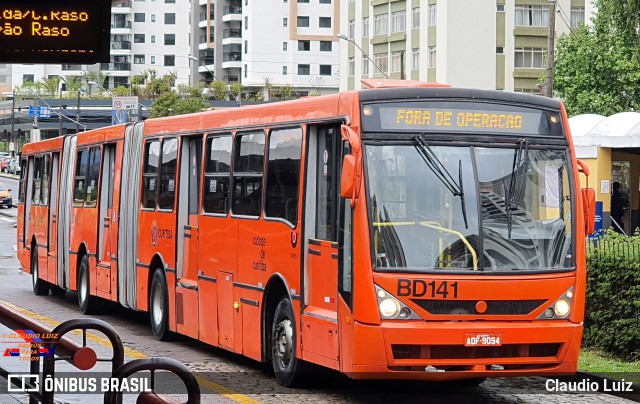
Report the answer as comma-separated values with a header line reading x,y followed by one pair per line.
x,y
483,339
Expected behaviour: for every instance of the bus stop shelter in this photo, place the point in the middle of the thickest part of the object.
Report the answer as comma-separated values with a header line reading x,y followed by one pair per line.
x,y
611,148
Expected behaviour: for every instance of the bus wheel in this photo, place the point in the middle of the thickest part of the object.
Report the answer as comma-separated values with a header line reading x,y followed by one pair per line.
x,y
159,307
286,365
87,303
40,287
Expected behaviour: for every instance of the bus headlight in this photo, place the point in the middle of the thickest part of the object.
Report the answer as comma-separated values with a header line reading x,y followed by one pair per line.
x,y
392,308
561,308
389,307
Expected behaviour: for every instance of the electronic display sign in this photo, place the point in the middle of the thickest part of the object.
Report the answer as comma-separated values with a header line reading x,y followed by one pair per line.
x,y
454,116
67,32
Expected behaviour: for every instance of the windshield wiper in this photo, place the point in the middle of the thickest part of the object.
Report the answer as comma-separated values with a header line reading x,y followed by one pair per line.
x,y
514,193
436,166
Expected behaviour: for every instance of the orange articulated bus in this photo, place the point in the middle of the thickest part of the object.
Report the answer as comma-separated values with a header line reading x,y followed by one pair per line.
x,y
409,230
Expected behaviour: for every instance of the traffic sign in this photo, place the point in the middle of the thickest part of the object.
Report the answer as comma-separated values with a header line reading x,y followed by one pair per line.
x,y
12,146
124,103
41,112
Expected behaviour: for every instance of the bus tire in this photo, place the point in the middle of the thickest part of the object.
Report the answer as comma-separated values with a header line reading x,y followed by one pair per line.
x,y
286,366
88,304
159,306
40,286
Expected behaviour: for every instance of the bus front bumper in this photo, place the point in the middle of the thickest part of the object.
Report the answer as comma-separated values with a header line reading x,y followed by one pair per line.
x,y
453,350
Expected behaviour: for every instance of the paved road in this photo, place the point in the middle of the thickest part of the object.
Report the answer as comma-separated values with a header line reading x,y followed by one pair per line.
x,y
231,377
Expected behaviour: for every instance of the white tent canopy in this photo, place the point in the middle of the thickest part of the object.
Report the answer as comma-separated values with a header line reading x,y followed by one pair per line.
x,y
621,130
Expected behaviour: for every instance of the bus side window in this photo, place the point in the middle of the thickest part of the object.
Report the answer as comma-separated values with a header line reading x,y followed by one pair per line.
x,y
93,175
80,183
168,167
247,174
283,174
46,167
37,181
216,175
150,174
327,182
23,175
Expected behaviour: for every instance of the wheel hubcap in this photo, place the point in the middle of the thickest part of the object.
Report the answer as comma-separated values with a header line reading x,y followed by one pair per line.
x,y
34,272
283,342
83,286
158,304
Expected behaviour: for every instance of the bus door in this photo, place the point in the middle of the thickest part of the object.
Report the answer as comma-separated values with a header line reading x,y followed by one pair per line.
x,y
188,235
23,213
320,316
107,221
52,235
26,223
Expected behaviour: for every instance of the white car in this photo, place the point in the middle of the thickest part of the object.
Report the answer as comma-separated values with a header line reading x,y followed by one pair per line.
x,y
13,167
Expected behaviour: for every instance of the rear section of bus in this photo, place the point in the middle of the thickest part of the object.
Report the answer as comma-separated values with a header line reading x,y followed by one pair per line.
x,y
468,249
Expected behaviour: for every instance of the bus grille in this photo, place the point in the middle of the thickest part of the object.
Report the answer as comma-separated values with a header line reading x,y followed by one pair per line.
x,y
465,307
463,352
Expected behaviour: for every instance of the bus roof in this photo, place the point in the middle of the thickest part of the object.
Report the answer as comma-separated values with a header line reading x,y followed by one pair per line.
x,y
308,108
48,144
407,93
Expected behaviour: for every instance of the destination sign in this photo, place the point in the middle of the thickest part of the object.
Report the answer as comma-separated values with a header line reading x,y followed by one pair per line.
x,y
460,117
43,31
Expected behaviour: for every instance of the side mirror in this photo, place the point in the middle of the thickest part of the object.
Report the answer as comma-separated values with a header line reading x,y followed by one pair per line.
x,y
348,176
589,208
588,200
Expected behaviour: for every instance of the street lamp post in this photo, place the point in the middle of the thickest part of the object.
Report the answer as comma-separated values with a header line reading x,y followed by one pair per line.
x,y
551,48
237,97
60,114
346,38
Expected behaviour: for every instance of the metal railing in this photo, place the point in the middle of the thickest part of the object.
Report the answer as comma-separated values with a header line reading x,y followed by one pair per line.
x,y
231,10
71,67
232,33
205,17
121,24
116,66
232,57
123,4
84,358
123,45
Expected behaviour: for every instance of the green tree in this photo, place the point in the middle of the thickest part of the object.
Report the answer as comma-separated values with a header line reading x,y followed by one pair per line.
x,y
171,103
597,69
621,17
50,86
95,77
218,89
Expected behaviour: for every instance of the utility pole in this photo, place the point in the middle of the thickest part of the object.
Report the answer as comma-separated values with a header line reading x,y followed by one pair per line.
x,y
13,117
78,113
60,114
551,48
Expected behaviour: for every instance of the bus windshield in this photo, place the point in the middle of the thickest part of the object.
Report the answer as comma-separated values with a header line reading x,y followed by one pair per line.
x,y
517,202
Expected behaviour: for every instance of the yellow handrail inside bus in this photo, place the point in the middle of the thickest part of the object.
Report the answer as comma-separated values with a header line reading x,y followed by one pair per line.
x,y
437,226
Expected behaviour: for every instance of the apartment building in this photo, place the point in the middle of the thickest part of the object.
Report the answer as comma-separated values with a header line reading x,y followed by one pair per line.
x,y
268,45
486,44
145,35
